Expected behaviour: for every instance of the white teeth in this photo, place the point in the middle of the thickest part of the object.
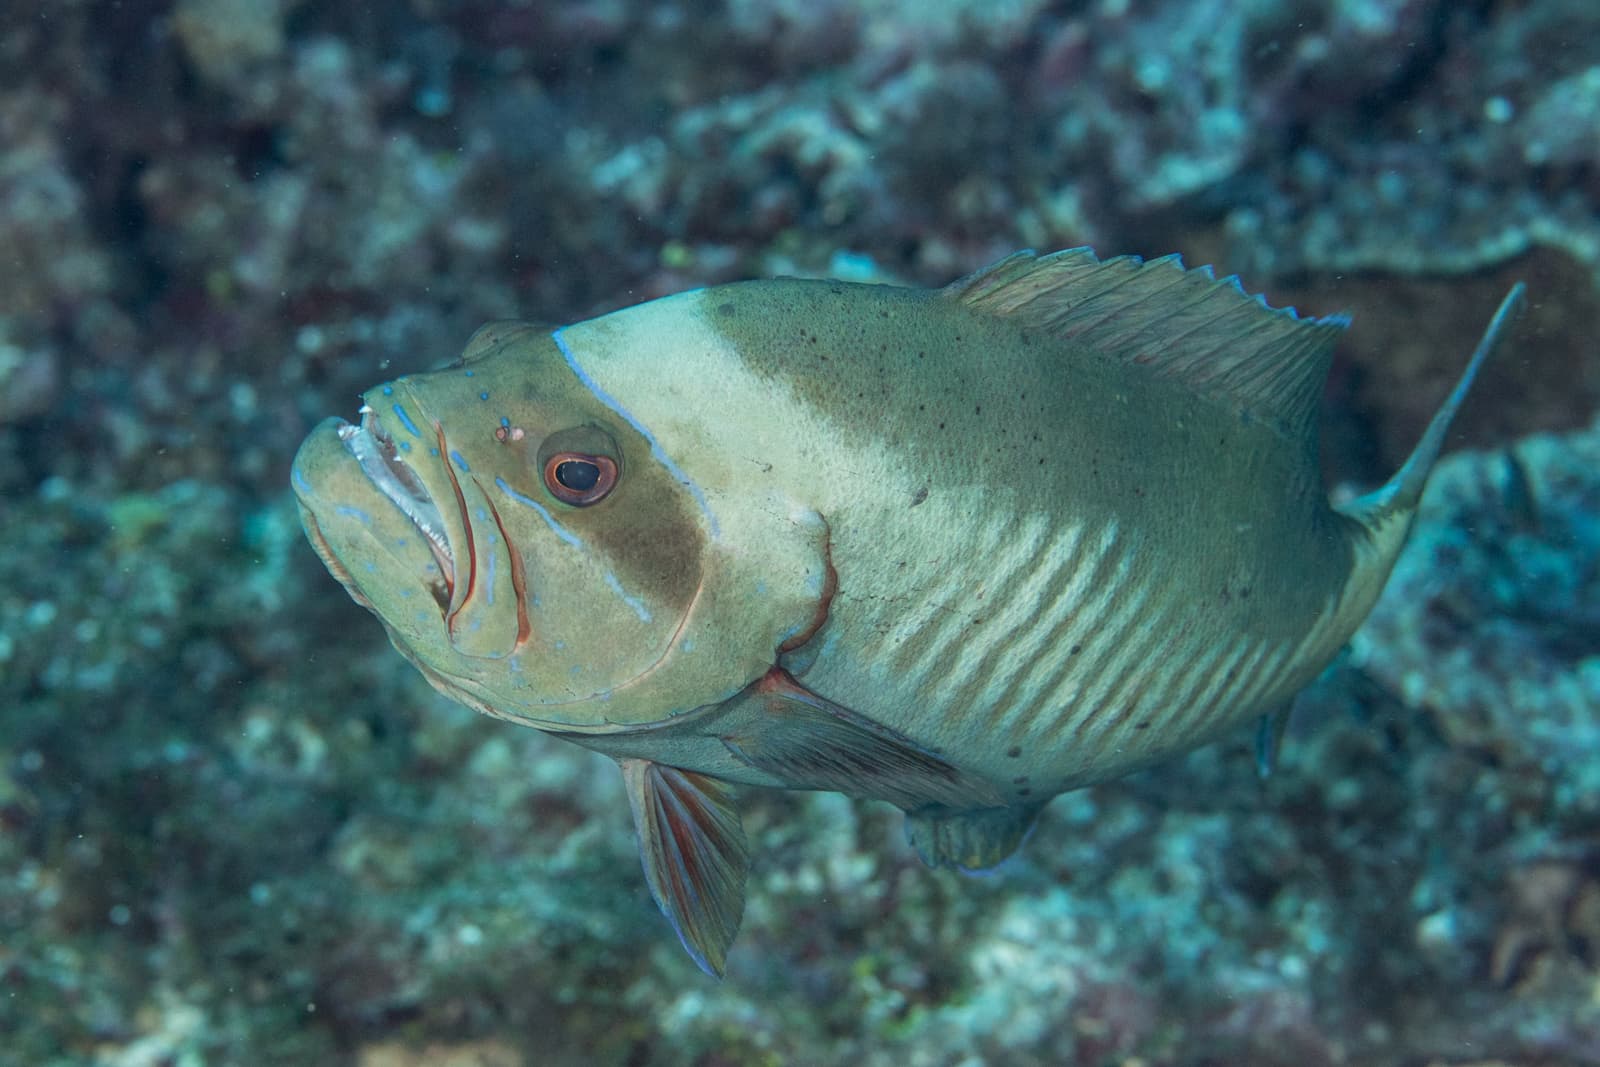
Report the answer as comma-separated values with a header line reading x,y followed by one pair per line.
x,y
374,449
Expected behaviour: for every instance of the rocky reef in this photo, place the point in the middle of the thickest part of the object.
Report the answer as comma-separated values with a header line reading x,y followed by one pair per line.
x,y
235,828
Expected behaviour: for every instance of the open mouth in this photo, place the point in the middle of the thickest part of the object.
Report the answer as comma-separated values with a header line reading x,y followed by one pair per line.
x,y
381,462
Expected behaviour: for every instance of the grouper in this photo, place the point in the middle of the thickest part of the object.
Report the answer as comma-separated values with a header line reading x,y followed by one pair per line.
x,y
959,550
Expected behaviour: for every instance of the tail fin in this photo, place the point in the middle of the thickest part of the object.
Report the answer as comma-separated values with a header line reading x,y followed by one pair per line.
x,y
1397,498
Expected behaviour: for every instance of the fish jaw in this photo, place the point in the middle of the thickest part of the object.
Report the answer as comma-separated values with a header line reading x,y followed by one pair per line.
x,y
376,453
387,513
371,544
486,616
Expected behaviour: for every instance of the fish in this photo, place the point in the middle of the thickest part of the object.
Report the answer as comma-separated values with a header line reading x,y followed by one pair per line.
x,y
960,549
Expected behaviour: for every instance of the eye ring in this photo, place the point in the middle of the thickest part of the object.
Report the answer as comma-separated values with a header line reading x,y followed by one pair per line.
x,y
580,478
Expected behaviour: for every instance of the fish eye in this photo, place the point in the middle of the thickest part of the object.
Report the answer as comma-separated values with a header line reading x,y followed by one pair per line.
x,y
580,465
578,478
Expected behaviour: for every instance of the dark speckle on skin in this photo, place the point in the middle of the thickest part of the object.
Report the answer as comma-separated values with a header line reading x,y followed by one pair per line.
x,y
1014,752
724,309
919,496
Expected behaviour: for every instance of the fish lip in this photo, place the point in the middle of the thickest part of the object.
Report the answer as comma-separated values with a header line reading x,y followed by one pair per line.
x,y
374,449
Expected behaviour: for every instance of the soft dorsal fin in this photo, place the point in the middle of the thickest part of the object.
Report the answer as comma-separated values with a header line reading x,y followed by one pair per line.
x,y
1184,324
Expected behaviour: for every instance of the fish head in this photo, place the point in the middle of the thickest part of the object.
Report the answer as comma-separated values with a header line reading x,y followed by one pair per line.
x,y
527,548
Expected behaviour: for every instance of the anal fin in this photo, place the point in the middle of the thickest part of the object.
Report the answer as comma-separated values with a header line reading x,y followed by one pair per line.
x,y
809,742
695,858
971,840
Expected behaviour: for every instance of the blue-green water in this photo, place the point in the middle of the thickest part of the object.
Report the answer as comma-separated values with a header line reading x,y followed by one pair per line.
x,y
236,828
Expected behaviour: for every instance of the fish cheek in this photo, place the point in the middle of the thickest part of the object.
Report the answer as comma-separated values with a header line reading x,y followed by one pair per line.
x,y
650,532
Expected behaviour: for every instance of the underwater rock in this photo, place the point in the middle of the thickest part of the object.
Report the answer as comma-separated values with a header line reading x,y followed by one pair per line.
x,y
1491,620
231,830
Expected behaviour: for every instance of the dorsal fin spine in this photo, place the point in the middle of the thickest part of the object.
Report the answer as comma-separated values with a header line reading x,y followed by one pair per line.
x,y
1181,324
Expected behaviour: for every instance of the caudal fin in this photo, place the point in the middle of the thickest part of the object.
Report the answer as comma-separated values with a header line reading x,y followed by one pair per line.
x,y
1397,498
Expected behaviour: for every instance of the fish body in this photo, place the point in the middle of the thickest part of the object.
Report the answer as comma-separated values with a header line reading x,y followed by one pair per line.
x,y
960,550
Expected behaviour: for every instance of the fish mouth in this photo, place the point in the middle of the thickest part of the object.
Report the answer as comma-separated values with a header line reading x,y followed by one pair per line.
x,y
379,458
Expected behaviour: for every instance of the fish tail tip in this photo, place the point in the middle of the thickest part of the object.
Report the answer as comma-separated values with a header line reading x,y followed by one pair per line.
x,y
1403,492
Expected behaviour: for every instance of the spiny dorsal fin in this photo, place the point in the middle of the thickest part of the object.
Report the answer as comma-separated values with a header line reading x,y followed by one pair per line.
x,y
1183,324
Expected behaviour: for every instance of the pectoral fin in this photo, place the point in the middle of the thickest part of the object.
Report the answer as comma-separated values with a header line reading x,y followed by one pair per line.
x,y
812,743
694,854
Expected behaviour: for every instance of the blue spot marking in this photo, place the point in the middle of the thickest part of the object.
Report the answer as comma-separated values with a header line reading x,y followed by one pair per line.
x,y
299,479
406,594
456,456
354,513
560,645
401,542
483,396
433,451
505,423
405,420
388,390
483,516
632,601
467,373
405,446
560,531
655,447
372,568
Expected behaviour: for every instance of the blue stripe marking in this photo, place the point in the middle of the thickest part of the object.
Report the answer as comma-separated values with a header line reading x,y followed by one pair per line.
x,y
456,456
632,601
354,513
560,531
655,447
405,420
297,476
489,589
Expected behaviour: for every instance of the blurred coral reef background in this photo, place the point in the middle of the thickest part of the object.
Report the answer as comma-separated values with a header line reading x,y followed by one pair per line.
x,y
236,829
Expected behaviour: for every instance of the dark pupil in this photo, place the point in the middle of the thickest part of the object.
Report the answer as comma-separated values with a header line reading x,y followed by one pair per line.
x,y
578,475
